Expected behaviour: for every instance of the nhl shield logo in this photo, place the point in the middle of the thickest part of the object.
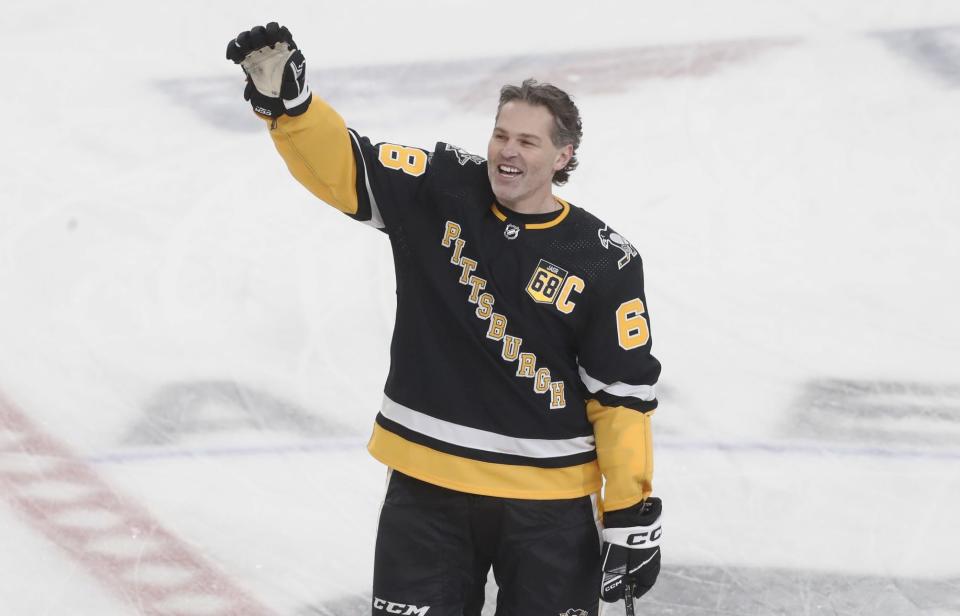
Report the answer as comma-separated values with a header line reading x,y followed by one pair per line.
x,y
609,237
511,232
546,282
574,612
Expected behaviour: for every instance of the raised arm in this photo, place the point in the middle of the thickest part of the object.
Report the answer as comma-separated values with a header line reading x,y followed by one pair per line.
x,y
337,165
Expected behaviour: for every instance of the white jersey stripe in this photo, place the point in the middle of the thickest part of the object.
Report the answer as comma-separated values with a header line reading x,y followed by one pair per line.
x,y
376,221
622,390
455,434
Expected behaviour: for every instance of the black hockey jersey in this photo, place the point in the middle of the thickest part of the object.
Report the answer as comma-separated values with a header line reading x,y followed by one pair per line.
x,y
520,360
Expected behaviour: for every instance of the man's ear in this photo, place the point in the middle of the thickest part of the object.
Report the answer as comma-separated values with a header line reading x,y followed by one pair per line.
x,y
563,157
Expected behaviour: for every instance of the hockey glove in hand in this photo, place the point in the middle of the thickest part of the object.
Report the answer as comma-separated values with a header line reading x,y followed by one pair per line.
x,y
275,69
631,550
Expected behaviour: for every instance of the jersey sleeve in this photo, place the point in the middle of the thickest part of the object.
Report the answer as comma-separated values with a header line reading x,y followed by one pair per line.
x,y
620,374
371,183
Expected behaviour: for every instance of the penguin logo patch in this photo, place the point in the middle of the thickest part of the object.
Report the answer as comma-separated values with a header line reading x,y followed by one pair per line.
x,y
609,237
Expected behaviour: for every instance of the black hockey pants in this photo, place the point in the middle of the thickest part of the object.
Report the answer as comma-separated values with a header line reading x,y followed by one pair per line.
x,y
435,547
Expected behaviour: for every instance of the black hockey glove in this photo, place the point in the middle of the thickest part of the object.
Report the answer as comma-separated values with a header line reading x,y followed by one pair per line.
x,y
631,550
275,69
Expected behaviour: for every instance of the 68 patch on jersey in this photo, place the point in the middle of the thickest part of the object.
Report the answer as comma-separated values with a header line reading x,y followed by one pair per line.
x,y
551,284
545,284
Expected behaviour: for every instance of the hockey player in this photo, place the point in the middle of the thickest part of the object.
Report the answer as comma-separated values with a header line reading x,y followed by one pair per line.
x,y
521,378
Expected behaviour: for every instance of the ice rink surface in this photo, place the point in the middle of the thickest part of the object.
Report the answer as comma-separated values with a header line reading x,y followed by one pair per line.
x,y
192,348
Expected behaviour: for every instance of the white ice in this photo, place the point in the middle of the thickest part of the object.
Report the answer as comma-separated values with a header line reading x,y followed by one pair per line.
x,y
211,342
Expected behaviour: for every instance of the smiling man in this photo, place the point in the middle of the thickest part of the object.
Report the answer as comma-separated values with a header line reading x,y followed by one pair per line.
x,y
523,154
521,380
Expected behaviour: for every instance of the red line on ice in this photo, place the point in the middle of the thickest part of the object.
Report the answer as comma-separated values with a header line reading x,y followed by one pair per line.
x,y
123,544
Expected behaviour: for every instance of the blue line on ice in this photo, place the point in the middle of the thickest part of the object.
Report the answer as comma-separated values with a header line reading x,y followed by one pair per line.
x,y
351,443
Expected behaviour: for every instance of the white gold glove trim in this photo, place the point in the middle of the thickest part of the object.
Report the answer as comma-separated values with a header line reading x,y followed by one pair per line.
x,y
634,537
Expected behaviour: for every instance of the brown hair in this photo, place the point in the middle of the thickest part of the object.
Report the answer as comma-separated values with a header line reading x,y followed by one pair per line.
x,y
567,127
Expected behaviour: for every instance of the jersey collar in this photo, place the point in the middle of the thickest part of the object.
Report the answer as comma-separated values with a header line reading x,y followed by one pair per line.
x,y
535,220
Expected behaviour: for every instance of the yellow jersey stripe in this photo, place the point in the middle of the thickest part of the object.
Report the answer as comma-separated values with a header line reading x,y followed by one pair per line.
x,y
564,212
487,478
496,212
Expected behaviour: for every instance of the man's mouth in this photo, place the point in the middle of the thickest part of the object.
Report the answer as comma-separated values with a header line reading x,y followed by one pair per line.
x,y
508,171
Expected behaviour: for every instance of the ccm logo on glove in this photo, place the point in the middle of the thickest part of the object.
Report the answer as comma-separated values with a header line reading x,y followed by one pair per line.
x,y
641,538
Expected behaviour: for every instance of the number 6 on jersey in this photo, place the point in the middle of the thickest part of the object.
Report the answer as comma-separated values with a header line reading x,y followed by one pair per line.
x,y
632,328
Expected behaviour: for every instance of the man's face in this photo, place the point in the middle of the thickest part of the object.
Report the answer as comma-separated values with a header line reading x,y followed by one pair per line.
x,y
521,157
